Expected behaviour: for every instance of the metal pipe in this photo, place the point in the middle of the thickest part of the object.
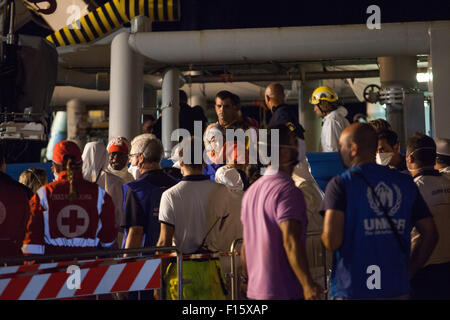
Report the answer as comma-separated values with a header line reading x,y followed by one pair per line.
x,y
124,12
180,274
96,81
10,39
286,43
170,108
77,256
61,95
283,77
126,89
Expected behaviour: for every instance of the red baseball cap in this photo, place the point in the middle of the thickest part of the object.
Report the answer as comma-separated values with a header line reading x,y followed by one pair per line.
x,y
66,148
118,144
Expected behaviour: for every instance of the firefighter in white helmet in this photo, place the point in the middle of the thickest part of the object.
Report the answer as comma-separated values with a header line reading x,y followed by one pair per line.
x,y
334,122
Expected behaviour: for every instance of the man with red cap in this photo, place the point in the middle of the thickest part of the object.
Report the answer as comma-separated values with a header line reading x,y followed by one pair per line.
x,y
118,150
70,214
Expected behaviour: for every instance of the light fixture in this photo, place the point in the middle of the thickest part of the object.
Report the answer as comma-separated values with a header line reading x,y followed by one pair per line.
x,y
424,77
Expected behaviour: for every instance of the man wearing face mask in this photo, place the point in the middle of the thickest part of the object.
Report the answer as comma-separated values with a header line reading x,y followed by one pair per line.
x,y
142,196
136,146
369,213
388,151
431,282
285,115
274,221
443,156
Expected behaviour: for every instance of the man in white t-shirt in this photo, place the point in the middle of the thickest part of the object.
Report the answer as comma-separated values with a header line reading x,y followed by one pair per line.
x,y
183,215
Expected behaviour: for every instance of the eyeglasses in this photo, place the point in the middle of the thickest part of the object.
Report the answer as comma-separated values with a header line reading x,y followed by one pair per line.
x,y
132,155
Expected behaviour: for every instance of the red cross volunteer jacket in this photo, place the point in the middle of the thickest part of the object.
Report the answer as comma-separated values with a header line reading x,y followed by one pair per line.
x,y
59,225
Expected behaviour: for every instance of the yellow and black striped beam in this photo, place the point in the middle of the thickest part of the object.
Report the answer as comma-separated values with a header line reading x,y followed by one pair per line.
x,y
111,16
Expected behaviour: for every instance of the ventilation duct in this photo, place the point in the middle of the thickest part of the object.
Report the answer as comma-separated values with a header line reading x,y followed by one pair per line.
x,y
112,15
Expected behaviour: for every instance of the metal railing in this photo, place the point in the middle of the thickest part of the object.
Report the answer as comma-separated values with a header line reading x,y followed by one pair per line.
x,y
235,277
162,253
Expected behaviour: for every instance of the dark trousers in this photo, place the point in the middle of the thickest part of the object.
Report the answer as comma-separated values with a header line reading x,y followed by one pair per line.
x,y
432,283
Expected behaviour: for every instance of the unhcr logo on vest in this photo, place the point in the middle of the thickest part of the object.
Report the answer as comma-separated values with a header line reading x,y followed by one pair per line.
x,y
391,200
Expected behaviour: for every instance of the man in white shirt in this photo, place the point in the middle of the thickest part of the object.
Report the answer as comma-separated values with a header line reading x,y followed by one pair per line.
x,y
184,217
334,122
431,281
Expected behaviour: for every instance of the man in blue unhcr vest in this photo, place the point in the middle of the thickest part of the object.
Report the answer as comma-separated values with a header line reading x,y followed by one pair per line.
x,y
369,213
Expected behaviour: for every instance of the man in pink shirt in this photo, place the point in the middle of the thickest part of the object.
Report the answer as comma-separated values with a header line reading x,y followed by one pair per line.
x,y
274,218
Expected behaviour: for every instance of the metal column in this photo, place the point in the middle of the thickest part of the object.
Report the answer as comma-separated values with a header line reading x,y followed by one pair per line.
x,y
170,108
126,89
440,64
77,122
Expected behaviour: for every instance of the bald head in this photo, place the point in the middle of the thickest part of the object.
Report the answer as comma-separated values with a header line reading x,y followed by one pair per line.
x,y
358,144
274,95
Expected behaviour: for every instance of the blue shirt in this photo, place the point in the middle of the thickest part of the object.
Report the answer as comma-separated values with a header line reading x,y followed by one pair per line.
x,y
370,263
141,204
210,170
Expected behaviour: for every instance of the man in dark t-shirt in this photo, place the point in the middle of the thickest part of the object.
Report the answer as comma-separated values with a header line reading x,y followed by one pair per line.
x,y
369,214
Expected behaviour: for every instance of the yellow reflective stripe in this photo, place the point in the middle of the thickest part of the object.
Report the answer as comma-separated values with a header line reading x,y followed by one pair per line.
x,y
95,24
86,28
141,7
131,9
49,38
59,38
150,9
161,10
120,5
78,31
104,20
170,9
112,14
69,35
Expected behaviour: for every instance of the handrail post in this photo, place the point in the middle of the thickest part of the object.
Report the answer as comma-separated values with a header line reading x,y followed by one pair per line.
x,y
180,274
234,278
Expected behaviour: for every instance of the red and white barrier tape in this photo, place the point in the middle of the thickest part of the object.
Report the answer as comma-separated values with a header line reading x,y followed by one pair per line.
x,y
40,281
102,276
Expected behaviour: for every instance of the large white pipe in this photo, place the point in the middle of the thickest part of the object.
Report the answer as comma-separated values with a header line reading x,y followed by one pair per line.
x,y
285,44
97,81
61,95
126,89
170,108
440,65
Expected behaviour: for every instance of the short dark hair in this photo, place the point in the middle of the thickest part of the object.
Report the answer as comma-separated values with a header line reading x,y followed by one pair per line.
x,y
182,96
284,137
390,136
224,94
380,125
236,101
424,149
189,144
365,137
147,117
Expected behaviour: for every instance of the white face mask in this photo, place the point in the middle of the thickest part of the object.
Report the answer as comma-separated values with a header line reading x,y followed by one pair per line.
x,y
134,171
384,158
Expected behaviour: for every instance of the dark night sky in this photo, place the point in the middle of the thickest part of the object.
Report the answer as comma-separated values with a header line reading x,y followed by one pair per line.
x,y
229,14
219,14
